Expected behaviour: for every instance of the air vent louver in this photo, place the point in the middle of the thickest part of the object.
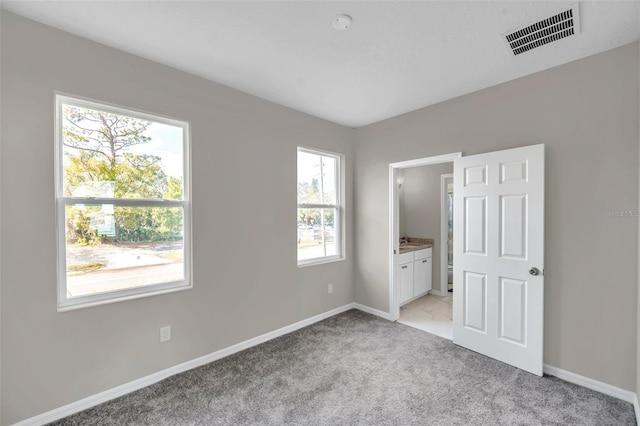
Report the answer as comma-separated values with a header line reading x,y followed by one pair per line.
x,y
561,25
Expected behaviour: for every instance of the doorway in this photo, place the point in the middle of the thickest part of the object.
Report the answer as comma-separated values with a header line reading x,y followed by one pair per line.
x,y
498,252
425,303
397,178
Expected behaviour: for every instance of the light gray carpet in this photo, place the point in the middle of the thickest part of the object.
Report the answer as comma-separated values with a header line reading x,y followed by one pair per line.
x,y
357,369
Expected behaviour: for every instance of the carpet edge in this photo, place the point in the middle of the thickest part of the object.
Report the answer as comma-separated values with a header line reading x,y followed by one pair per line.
x,y
134,385
121,390
586,382
372,311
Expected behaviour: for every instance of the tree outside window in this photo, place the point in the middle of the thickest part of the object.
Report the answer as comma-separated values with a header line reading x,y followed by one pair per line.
x,y
121,188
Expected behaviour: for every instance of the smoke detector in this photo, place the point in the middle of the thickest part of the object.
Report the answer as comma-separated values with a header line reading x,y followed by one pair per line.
x,y
341,22
556,27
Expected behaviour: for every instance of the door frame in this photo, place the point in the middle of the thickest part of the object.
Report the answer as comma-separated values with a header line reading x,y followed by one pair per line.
x,y
394,223
444,227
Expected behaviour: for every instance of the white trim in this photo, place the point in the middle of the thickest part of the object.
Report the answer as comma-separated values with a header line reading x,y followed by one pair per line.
x,y
118,391
127,202
319,261
586,382
83,302
317,206
437,293
394,242
339,216
372,311
65,303
444,227
394,214
636,406
437,159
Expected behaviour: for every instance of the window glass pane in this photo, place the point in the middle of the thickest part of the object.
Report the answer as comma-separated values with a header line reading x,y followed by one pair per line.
x,y
113,248
316,233
316,178
113,155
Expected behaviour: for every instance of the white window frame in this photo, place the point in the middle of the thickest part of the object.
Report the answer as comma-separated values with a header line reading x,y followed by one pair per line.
x,y
65,303
339,206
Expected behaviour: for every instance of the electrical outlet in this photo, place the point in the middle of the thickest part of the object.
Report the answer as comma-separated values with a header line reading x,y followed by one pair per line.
x,y
330,288
165,334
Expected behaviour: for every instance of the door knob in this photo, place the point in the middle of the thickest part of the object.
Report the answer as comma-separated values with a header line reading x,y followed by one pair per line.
x,y
534,271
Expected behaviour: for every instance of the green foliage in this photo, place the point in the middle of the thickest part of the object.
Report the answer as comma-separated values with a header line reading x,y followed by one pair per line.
x,y
79,226
152,223
99,162
140,176
174,189
308,194
148,224
92,240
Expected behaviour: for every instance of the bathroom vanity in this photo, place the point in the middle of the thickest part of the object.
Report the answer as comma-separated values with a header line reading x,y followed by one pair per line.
x,y
415,265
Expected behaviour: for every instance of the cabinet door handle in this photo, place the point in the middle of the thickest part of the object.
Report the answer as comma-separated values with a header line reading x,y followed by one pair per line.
x,y
424,261
404,267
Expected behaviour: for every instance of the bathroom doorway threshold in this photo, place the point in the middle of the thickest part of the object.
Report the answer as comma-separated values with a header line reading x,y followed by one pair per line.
x,y
430,313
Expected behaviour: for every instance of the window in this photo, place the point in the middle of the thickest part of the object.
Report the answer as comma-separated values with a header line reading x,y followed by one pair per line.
x,y
122,203
319,207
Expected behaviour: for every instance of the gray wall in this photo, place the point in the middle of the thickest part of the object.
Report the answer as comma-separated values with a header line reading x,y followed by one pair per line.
x,y
586,113
419,208
638,265
246,281
1,13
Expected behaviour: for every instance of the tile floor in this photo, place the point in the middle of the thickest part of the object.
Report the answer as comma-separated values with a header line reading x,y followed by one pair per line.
x,y
430,313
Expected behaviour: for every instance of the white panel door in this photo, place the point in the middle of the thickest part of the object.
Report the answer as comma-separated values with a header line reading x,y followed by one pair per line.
x,y
499,255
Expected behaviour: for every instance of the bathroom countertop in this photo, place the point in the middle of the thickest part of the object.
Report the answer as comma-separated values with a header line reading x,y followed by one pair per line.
x,y
413,244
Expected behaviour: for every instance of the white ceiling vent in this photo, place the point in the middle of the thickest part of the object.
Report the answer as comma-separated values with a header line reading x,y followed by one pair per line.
x,y
561,25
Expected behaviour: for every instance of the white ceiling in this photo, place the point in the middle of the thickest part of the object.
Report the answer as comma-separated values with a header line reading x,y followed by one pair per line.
x,y
397,56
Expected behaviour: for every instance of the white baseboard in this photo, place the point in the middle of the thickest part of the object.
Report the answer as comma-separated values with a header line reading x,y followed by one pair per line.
x,y
371,311
99,398
143,382
592,384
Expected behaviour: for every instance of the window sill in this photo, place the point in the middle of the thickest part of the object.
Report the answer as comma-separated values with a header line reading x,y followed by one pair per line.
x,y
320,261
90,301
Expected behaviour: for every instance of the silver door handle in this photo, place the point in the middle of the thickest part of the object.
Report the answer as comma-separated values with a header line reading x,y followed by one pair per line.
x,y
534,271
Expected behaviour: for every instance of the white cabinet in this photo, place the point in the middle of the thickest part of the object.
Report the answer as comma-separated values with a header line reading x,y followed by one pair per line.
x,y
415,274
422,267
421,276
406,282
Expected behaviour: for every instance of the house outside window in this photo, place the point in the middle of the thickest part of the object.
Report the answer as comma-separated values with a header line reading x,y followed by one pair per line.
x,y
122,203
319,207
